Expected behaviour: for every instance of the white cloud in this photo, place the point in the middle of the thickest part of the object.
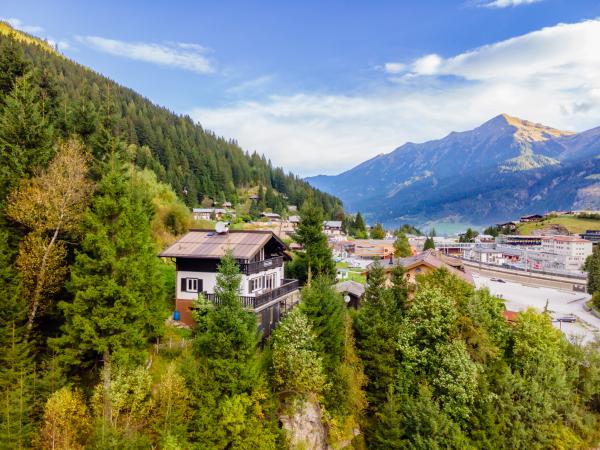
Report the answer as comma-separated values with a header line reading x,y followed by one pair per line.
x,y
181,55
548,76
394,67
507,3
19,25
251,86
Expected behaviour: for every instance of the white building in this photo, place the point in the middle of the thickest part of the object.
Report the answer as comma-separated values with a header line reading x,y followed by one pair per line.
x,y
260,256
485,255
574,250
332,227
208,213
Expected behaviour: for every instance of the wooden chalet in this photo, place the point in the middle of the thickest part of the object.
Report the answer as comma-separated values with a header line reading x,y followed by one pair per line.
x,y
260,255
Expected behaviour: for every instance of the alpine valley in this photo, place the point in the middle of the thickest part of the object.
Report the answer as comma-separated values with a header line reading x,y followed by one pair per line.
x,y
498,171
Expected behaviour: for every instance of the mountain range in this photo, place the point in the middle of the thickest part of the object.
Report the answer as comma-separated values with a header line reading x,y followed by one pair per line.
x,y
500,170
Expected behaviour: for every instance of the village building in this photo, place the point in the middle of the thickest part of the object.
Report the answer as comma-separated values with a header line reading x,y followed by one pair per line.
x,y
332,227
292,208
271,216
260,256
485,255
518,240
531,218
591,235
352,291
425,263
507,227
574,250
209,213
364,248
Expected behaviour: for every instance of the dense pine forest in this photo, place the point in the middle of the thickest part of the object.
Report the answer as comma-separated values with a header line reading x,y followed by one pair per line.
x,y
91,187
196,163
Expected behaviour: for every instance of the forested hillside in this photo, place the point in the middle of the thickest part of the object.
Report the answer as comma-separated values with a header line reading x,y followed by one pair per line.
x,y
194,161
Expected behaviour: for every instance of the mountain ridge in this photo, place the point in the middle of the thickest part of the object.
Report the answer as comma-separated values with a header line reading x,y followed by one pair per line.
x,y
528,155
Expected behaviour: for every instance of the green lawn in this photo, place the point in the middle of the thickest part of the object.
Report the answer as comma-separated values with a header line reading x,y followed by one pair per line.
x,y
573,224
353,274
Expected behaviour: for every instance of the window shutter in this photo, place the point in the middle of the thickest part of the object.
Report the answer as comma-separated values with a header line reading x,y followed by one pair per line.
x,y
184,285
200,285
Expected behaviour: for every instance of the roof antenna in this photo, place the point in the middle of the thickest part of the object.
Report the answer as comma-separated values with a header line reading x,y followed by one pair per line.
x,y
222,227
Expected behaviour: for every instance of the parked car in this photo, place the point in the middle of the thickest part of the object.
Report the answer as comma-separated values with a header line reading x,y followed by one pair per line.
x,y
568,318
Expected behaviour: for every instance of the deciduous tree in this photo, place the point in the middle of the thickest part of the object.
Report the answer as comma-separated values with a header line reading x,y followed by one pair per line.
x,y
50,205
66,422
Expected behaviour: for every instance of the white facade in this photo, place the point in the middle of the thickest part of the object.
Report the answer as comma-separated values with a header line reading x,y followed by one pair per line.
x,y
332,227
573,250
485,255
250,284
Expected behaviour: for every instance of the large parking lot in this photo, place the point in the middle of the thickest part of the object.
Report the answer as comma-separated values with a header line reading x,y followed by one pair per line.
x,y
559,303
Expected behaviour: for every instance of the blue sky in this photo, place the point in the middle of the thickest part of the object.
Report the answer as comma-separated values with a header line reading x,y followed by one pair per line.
x,y
321,86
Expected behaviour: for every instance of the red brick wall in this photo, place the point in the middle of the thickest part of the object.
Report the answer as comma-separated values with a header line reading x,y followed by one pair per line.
x,y
185,314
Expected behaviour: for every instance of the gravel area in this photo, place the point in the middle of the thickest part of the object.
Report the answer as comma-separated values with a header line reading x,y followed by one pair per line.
x,y
560,304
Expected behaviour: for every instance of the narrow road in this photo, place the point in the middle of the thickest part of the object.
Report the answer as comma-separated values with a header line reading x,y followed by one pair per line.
x,y
519,297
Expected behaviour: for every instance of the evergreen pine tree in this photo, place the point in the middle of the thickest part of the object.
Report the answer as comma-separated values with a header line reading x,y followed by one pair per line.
x,y
118,296
399,289
226,335
375,284
12,65
359,226
318,256
401,246
592,266
376,327
25,135
429,244
230,383
16,389
378,232
325,309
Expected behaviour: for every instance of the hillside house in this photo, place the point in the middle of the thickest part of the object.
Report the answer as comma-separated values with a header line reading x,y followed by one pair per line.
x,y
209,213
424,263
271,216
507,227
531,218
591,235
332,227
260,255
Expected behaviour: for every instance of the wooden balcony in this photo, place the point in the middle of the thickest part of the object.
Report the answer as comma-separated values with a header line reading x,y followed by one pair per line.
x,y
261,266
256,301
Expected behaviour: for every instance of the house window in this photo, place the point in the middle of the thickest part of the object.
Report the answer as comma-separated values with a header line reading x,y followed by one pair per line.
x,y
191,285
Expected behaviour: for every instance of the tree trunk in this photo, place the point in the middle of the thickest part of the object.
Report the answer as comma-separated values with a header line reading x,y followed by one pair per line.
x,y
107,409
40,282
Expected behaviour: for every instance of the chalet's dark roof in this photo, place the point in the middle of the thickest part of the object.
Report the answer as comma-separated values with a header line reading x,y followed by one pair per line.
x,y
209,244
